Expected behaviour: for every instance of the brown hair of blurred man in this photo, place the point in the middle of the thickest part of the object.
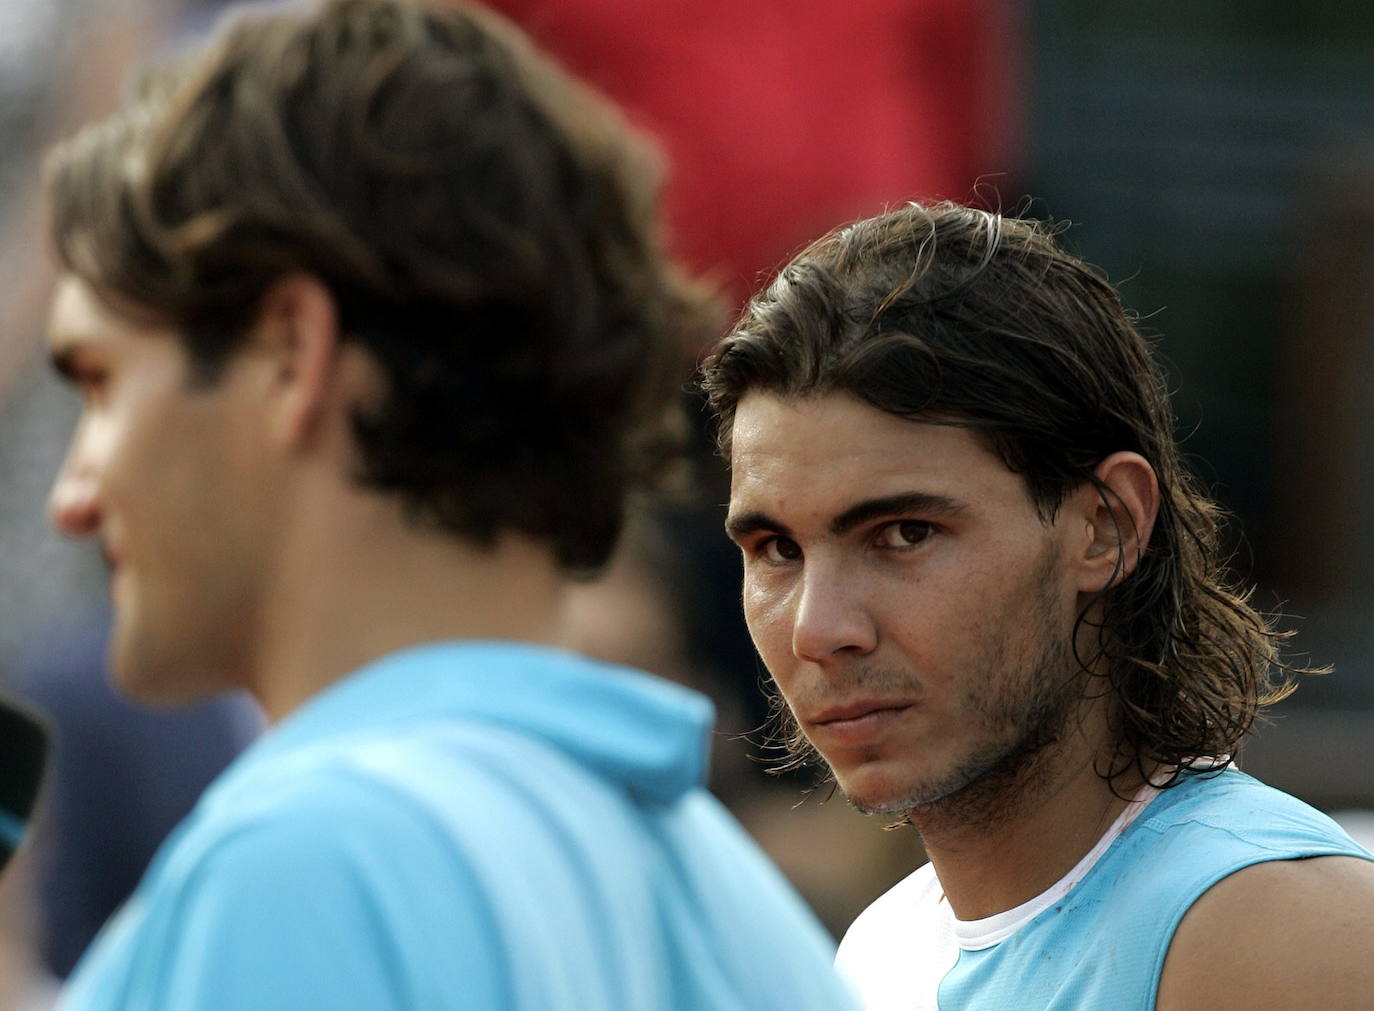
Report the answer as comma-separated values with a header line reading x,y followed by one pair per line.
x,y
374,331
990,598
469,211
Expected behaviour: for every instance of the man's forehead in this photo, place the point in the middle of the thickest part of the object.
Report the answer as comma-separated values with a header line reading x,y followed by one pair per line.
x,y
826,452
771,424
79,314
69,307
73,325
838,426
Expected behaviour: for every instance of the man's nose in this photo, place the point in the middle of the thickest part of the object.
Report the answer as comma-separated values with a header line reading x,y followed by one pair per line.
x,y
831,619
74,501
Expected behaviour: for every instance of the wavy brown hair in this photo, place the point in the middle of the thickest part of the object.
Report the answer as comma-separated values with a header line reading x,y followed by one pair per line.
x,y
949,315
487,227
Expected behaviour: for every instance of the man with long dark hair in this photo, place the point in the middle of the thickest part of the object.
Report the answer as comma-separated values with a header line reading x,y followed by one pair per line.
x,y
369,313
990,599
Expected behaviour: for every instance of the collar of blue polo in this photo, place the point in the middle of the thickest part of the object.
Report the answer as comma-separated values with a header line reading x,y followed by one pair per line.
x,y
645,732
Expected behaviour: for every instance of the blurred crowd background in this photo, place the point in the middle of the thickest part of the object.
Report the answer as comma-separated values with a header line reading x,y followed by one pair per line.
x,y
1216,161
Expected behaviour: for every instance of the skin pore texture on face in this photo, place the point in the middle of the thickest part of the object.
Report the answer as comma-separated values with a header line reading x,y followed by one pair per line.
x,y
914,609
1024,705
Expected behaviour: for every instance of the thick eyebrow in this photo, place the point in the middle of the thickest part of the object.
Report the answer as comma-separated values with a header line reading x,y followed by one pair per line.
x,y
920,503
908,503
751,523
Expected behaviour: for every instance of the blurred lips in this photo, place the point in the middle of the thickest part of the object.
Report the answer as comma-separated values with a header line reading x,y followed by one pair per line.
x,y
115,563
112,558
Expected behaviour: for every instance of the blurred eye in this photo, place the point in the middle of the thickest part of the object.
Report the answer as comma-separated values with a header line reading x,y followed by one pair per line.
x,y
90,382
780,549
904,534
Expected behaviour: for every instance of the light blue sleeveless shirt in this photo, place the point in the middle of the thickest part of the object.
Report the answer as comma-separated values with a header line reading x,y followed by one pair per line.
x,y
1101,945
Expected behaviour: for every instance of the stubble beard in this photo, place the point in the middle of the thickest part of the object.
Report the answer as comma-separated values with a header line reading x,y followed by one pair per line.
x,y
1023,717
1021,727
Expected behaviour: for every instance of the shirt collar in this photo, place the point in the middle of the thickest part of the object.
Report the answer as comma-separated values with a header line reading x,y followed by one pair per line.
x,y
647,733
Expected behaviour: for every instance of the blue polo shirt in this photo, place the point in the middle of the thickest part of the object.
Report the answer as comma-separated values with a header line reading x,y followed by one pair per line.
x,y
466,825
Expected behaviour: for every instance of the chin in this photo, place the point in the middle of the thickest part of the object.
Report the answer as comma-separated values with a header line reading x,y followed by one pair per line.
x,y
154,682
865,805
874,791
137,685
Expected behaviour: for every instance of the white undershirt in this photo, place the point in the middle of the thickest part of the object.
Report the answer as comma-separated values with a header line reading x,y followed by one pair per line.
x,y
975,935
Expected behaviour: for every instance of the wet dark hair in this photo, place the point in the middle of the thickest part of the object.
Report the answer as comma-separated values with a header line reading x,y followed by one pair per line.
x,y
949,315
486,225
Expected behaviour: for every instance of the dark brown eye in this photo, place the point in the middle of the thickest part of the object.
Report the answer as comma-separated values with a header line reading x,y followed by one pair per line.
x,y
913,532
782,549
904,534
90,382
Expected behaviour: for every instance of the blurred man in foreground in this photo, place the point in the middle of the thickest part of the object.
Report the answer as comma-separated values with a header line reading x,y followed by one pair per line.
x,y
990,598
369,315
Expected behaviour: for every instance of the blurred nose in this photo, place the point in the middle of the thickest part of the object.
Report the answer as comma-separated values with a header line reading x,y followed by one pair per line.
x,y
831,620
73,502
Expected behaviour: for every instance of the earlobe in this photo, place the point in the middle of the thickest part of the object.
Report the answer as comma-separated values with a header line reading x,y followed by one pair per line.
x,y
299,321
1119,507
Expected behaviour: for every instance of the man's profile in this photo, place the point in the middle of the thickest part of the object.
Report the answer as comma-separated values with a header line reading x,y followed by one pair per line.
x,y
989,595
371,321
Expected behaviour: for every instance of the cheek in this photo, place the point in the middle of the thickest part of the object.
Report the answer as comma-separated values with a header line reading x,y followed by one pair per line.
x,y
139,428
1015,623
939,624
767,613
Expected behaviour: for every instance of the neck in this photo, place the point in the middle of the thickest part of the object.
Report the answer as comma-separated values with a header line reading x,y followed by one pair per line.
x,y
994,847
357,580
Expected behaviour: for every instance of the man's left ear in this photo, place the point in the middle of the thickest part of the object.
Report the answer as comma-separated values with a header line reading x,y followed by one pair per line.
x,y
1119,508
298,327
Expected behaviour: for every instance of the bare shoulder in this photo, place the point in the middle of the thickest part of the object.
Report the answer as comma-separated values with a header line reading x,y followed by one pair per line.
x,y
1285,934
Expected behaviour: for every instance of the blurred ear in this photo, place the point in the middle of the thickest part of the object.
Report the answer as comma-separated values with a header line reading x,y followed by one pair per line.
x,y
298,329
1119,510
